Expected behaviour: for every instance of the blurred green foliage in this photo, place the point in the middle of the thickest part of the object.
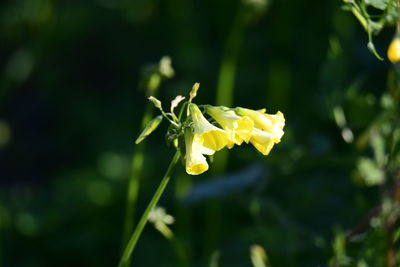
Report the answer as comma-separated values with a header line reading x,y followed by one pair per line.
x,y
70,111
373,16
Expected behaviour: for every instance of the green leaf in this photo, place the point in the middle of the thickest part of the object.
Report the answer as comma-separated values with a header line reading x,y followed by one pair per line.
x,y
378,146
339,116
370,172
378,4
258,256
372,49
340,257
396,142
150,127
165,67
396,235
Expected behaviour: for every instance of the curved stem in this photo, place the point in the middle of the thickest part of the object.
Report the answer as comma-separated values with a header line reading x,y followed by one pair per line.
x,y
143,220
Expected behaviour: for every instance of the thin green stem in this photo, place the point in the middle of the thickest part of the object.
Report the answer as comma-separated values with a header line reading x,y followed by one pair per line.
x,y
355,9
143,220
184,105
134,181
166,116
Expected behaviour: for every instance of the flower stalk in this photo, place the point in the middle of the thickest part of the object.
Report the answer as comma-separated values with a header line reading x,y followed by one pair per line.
x,y
151,81
134,181
143,220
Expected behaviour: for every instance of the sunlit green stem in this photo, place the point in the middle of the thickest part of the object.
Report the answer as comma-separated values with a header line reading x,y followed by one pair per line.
x,y
143,220
357,13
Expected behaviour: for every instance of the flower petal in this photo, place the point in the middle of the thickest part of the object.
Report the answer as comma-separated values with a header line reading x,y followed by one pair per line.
x,y
213,137
196,163
262,141
272,123
238,128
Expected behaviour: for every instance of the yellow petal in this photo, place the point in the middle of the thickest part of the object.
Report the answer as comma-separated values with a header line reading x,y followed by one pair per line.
x,y
205,133
262,141
245,129
230,144
393,52
278,122
238,128
272,123
196,163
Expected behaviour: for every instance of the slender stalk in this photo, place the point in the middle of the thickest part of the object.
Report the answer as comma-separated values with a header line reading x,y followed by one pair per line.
x,y
143,220
134,181
150,82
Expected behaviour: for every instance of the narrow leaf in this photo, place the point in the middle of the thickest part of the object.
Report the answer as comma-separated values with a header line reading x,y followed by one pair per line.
x,y
150,127
372,49
378,4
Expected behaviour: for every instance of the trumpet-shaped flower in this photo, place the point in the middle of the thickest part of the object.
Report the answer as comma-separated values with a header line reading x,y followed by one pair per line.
x,y
196,163
205,133
262,141
272,123
238,128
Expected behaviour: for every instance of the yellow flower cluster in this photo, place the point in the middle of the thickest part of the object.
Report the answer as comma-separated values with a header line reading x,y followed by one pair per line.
x,y
238,125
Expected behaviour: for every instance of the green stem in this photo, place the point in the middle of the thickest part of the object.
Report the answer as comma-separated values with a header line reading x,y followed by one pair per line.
x,y
134,181
227,72
143,220
224,97
357,13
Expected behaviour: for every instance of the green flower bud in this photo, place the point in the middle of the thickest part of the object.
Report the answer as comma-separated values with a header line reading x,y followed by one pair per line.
x,y
150,127
156,102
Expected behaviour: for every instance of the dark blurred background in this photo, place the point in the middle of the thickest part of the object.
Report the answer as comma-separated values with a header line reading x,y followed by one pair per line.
x,y
70,110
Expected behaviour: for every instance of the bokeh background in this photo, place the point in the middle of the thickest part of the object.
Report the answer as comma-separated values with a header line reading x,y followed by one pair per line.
x,y
71,106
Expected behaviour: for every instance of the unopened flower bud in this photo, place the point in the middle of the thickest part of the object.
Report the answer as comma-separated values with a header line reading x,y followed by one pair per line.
x,y
193,93
156,102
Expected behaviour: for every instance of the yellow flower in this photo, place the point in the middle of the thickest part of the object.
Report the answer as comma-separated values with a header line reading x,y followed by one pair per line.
x,y
205,133
268,128
238,128
196,163
393,52
270,123
262,141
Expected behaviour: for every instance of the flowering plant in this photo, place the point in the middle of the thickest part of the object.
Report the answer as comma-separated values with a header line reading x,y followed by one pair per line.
x,y
199,130
195,135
